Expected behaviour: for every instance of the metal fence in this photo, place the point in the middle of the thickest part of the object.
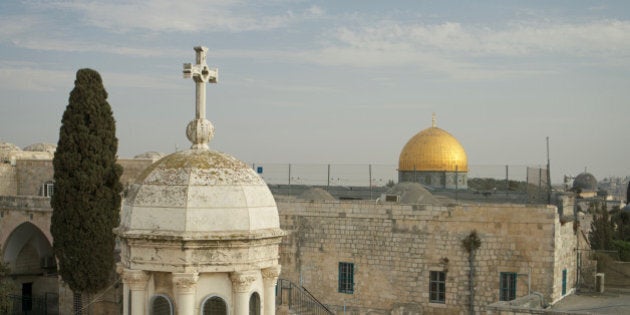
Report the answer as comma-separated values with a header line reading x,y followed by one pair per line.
x,y
298,299
376,175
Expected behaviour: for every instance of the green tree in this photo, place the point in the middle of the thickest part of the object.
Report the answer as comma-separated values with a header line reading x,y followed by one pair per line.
x,y
87,197
6,287
601,235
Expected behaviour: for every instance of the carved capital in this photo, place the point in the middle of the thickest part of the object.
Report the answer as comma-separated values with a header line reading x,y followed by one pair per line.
x,y
241,281
270,275
185,282
135,279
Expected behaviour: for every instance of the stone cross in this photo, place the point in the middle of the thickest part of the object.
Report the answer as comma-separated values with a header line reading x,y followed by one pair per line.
x,y
200,130
201,74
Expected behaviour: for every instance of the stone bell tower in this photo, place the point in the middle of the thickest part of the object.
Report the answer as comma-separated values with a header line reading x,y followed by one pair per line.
x,y
199,229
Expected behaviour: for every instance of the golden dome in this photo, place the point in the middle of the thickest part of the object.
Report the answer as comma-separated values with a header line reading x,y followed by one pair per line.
x,y
433,149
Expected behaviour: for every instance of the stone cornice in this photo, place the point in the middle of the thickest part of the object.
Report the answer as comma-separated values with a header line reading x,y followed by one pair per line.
x,y
200,236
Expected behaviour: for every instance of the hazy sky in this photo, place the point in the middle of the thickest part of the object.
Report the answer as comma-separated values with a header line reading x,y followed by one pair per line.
x,y
334,81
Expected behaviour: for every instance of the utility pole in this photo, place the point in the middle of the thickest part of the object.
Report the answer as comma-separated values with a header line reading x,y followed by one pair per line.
x,y
548,175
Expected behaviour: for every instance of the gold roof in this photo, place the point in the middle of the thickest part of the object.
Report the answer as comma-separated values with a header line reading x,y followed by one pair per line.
x,y
433,149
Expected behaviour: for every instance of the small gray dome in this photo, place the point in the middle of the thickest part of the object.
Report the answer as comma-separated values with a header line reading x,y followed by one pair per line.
x,y
150,155
412,193
585,182
316,194
42,147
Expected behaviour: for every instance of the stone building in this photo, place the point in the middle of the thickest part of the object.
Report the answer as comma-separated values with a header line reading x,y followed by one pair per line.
x,y
434,158
394,258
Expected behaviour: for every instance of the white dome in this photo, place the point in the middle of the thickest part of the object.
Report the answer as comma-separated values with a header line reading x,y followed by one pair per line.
x,y
199,194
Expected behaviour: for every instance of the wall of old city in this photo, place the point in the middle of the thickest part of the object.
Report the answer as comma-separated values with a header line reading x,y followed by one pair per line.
x,y
32,175
8,180
394,247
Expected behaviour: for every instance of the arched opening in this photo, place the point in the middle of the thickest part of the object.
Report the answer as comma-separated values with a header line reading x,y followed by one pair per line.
x,y
29,255
161,305
254,304
214,306
28,252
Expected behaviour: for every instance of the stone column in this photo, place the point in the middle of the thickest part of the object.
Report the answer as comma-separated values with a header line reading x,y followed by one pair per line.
x,y
241,284
270,277
185,289
136,282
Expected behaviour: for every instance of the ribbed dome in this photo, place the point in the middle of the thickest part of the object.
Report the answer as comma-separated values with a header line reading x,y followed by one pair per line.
x,y
199,194
433,149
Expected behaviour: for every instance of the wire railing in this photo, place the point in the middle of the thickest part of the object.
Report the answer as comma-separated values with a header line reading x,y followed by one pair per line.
x,y
298,299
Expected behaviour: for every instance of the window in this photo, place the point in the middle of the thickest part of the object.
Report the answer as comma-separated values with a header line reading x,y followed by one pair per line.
x,y
507,286
160,305
564,282
437,287
48,189
254,304
214,306
346,277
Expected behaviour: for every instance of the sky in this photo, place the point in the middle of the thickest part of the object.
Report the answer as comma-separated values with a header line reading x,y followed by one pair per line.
x,y
342,82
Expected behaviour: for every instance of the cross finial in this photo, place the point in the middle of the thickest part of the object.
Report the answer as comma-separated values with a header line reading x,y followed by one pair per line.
x,y
200,131
433,121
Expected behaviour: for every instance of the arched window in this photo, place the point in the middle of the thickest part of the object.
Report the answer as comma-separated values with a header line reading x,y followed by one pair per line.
x,y
254,304
161,305
214,306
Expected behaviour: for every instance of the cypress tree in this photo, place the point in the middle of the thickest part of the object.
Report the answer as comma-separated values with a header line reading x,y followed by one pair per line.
x,y
86,202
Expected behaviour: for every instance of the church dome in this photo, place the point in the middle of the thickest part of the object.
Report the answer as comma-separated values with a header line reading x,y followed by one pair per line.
x,y
585,182
199,194
433,149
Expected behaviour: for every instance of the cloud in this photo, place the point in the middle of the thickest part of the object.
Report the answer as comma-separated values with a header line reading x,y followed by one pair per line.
x,y
29,77
81,45
174,16
465,51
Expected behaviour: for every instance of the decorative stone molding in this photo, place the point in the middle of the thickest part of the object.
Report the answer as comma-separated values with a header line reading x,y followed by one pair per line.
x,y
270,275
135,279
185,282
241,281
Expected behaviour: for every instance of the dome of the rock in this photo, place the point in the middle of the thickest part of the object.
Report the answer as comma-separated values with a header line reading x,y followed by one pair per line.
x,y
433,149
433,157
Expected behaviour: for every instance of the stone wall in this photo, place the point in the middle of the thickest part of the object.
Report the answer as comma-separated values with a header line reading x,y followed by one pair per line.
x,y
32,175
394,247
617,274
8,180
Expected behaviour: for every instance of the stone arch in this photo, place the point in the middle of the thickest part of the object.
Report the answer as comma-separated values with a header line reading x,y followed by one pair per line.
x,y
214,305
161,305
27,250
